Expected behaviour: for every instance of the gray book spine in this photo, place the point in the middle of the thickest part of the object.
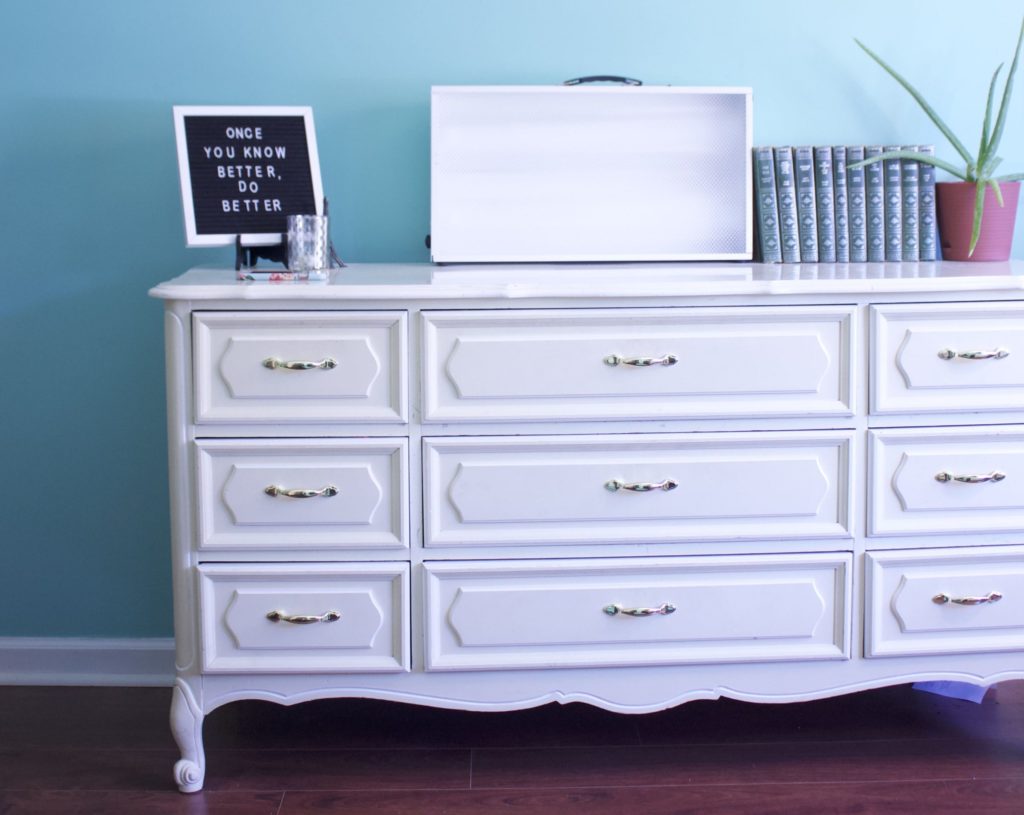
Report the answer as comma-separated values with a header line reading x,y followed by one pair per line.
x,y
825,204
858,217
909,172
785,185
842,204
893,206
769,237
806,210
928,241
874,188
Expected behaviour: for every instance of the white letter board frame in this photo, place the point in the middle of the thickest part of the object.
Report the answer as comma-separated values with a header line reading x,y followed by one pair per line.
x,y
590,173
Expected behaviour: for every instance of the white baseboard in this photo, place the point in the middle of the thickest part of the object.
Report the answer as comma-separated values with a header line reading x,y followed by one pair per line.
x,y
86,661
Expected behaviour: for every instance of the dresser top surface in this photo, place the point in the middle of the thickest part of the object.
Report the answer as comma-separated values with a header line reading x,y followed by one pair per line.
x,y
424,281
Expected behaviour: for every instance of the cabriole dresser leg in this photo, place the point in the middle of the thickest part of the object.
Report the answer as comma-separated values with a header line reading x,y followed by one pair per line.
x,y
187,728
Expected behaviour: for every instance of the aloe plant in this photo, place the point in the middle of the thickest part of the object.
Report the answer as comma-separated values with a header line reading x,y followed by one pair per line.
x,y
977,169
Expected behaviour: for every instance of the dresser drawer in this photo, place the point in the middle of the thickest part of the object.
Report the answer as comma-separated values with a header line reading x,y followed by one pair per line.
x,y
302,494
576,613
947,357
946,480
294,367
357,613
945,601
589,364
637,488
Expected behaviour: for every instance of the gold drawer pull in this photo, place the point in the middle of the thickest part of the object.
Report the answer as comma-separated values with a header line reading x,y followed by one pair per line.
x,y
641,362
640,486
280,492
615,608
996,353
995,475
299,365
303,619
991,597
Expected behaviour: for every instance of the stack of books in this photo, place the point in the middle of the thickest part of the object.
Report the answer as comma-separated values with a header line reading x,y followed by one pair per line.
x,y
810,207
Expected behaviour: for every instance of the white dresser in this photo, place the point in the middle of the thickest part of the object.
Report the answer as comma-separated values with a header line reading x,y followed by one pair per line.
x,y
631,486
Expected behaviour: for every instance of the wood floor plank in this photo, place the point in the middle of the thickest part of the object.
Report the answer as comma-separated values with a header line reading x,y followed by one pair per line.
x,y
79,769
834,762
894,750
337,769
892,798
104,802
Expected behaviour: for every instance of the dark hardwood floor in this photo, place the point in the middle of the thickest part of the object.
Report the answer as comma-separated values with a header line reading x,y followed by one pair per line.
x,y
895,750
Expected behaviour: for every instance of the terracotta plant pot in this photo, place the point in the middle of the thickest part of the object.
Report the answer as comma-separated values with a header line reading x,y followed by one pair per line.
x,y
955,203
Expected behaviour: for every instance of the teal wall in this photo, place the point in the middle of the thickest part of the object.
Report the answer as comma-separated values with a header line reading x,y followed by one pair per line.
x,y
91,217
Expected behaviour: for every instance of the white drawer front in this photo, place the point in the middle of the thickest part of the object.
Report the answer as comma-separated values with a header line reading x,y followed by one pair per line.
x,y
302,494
536,490
371,601
945,601
947,357
532,614
946,480
550,365
295,367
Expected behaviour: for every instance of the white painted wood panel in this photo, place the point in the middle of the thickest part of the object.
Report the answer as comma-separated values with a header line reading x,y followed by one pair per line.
x,y
250,367
534,173
532,490
371,633
912,599
557,364
360,500
922,357
529,614
946,480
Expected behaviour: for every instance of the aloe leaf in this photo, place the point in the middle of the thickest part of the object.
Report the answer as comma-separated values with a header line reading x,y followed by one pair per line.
x,y
952,169
941,125
983,148
997,131
993,162
979,208
995,188
1011,177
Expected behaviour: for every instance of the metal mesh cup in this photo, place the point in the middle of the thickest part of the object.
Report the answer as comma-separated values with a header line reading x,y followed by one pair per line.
x,y
308,244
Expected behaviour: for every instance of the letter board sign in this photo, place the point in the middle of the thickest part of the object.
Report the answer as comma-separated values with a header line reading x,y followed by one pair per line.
x,y
243,170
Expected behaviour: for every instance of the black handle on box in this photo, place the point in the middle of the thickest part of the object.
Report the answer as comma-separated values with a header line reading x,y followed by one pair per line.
x,y
580,80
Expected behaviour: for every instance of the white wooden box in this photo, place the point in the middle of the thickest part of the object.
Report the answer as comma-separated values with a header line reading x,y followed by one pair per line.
x,y
592,173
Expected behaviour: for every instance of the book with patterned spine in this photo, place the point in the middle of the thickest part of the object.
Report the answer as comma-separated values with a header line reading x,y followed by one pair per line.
x,y
928,238
842,204
785,186
857,205
874,189
909,172
893,206
825,204
768,236
806,208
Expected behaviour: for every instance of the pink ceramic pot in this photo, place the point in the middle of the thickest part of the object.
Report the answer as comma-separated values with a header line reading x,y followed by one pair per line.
x,y
955,202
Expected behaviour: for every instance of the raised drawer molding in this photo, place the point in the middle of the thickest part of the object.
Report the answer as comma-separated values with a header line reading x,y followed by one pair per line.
x,y
260,617
322,367
302,493
489,488
525,614
945,357
947,480
945,602
614,489
636,363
